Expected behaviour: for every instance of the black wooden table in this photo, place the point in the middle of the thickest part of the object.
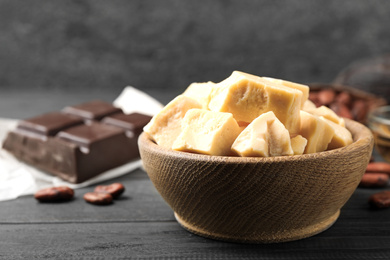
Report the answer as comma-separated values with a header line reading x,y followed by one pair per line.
x,y
141,225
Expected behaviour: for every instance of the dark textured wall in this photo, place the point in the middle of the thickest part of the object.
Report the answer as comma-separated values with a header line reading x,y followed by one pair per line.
x,y
169,44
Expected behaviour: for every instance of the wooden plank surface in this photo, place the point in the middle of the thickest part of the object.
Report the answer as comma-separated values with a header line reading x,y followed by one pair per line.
x,y
142,225
140,202
168,240
162,239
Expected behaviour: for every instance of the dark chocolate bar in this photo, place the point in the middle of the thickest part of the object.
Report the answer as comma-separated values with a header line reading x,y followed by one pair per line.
x,y
79,142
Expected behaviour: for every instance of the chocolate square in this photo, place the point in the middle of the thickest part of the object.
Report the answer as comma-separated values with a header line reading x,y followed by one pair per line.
x,y
133,122
96,110
87,134
50,123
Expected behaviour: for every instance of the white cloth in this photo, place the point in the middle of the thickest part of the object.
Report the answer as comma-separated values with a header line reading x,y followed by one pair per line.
x,y
18,179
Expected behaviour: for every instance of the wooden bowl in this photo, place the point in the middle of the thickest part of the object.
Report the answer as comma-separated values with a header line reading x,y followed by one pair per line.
x,y
258,200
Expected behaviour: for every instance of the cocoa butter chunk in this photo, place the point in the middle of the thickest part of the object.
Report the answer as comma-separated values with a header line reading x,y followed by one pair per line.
x,y
200,92
247,96
298,144
327,113
308,105
207,132
265,136
317,132
95,109
165,126
380,200
304,88
342,137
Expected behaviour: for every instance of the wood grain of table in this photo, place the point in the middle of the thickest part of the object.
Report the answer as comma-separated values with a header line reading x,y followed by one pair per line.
x,y
141,225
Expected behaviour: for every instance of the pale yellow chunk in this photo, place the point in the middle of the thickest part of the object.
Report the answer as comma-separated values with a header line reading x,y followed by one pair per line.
x,y
305,89
200,92
165,126
317,132
327,113
207,132
298,144
247,96
265,136
308,105
342,137
242,97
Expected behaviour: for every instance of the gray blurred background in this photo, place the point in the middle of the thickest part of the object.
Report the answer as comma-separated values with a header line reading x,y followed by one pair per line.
x,y
102,46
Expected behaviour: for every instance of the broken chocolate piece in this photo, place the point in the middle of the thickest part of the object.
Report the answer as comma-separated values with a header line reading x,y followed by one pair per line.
x,y
92,110
50,123
89,134
73,148
133,122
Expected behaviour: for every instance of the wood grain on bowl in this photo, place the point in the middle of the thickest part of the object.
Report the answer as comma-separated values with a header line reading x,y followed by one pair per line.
x,y
258,200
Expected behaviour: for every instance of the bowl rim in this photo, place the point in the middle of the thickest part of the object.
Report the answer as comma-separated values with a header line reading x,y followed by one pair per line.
x,y
361,135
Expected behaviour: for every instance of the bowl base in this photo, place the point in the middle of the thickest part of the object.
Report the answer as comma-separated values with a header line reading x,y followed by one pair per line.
x,y
277,237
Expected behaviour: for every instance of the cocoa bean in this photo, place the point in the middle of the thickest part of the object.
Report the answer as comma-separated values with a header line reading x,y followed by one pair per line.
x,y
326,96
98,198
341,110
359,110
313,96
381,167
54,194
380,199
115,189
344,98
374,180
